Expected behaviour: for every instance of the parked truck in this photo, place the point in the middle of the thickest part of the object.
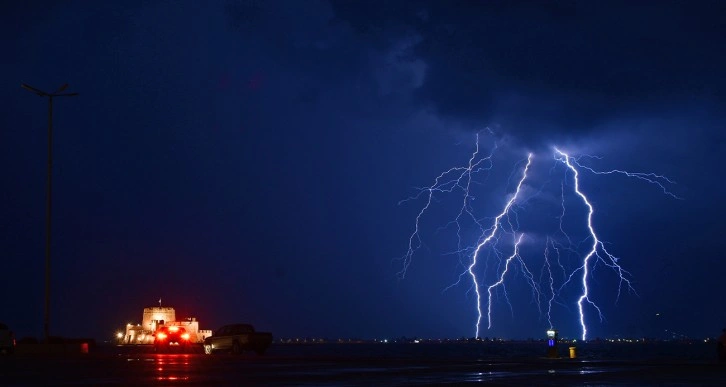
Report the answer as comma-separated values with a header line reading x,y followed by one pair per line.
x,y
237,338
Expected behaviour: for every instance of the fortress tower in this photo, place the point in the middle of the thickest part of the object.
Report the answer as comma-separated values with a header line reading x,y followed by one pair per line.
x,y
155,316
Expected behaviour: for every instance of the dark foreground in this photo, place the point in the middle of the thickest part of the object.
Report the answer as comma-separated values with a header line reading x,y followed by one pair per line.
x,y
366,364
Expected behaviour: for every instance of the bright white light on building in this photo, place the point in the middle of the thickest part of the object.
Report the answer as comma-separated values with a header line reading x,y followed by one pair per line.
x,y
119,335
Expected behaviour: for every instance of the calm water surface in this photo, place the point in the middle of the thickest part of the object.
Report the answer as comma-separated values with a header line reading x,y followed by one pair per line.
x,y
506,364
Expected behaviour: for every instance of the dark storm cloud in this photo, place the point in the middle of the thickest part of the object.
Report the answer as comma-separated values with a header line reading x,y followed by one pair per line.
x,y
297,36
319,62
546,68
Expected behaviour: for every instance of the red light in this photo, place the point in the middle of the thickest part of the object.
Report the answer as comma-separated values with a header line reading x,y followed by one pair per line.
x,y
173,329
185,336
161,336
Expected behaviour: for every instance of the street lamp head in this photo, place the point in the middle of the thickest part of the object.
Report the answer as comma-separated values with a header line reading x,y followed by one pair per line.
x,y
42,93
63,87
34,90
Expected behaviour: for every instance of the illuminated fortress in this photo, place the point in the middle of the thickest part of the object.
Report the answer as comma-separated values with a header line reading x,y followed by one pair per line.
x,y
155,317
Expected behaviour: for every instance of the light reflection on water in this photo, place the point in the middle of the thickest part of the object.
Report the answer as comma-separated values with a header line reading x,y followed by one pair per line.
x,y
172,367
587,371
171,378
484,376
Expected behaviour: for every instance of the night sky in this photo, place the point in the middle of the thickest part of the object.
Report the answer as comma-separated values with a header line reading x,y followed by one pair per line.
x,y
244,161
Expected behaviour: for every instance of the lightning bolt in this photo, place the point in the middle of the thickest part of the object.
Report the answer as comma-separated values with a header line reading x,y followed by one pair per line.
x,y
460,179
649,177
487,238
446,182
593,252
500,282
551,281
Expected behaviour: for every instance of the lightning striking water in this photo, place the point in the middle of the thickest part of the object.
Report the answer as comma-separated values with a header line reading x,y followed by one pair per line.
x,y
487,238
500,282
507,222
551,281
593,252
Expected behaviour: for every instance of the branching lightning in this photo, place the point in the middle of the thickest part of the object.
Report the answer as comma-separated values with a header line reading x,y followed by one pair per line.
x,y
650,177
447,182
611,261
507,222
487,238
500,282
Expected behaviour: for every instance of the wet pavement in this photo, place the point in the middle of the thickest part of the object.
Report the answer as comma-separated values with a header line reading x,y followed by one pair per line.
x,y
139,366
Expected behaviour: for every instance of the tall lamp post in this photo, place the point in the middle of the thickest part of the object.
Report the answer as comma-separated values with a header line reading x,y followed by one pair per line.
x,y
57,93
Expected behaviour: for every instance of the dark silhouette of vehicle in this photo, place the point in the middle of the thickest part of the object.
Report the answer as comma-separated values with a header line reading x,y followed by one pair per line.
x,y
237,338
165,337
7,340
